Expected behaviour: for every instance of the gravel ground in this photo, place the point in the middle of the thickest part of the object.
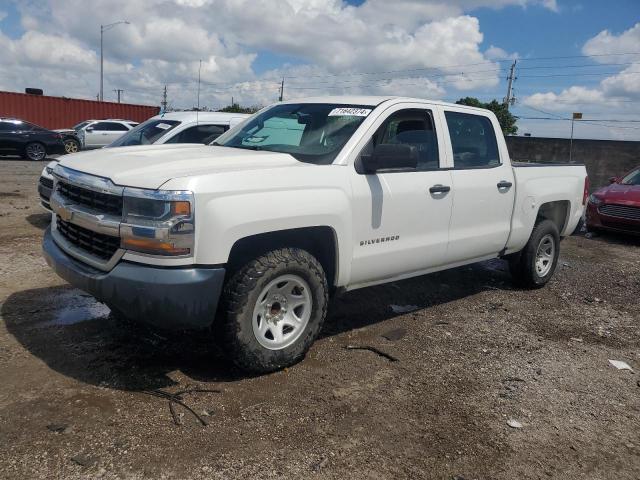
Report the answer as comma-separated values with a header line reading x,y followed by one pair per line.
x,y
86,396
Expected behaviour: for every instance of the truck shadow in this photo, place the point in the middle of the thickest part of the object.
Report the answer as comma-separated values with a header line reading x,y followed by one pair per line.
x,y
39,220
78,337
616,238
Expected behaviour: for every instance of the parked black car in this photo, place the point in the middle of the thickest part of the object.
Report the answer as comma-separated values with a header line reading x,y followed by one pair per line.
x,y
27,140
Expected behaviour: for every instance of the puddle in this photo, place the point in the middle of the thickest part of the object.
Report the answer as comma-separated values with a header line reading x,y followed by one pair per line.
x,y
77,314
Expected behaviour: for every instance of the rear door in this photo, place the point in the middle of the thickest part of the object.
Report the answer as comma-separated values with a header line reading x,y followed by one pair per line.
x,y
401,218
103,133
483,185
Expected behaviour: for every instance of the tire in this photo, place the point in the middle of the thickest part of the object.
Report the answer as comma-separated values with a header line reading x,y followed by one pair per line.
x,y
71,145
261,328
35,151
528,267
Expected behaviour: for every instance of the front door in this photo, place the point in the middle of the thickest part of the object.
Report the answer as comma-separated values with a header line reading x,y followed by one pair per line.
x,y
401,218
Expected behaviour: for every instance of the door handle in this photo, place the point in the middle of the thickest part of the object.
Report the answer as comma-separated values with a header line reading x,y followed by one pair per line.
x,y
504,184
440,189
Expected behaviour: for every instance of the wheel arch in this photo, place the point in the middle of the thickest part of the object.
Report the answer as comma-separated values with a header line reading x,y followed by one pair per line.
x,y
557,211
320,241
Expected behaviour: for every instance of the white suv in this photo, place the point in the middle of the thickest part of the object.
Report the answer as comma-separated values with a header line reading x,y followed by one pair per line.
x,y
99,133
180,127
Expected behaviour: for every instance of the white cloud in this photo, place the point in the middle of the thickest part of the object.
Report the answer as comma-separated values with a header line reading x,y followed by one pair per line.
x,y
573,96
497,53
606,42
166,39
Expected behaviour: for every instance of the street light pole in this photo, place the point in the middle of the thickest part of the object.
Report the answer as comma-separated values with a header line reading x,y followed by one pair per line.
x,y
104,28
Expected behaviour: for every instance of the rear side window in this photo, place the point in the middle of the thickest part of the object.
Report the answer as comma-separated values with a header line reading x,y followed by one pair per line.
x,y
110,127
199,134
473,141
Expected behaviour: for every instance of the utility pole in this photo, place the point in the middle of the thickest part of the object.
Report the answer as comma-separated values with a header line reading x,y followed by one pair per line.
x,y
199,68
104,28
282,89
574,117
164,100
510,99
118,91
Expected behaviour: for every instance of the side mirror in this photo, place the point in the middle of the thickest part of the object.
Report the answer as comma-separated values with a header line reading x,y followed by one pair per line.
x,y
613,180
388,156
89,129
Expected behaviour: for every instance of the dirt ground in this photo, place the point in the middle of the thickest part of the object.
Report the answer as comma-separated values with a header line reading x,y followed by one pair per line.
x,y
85,396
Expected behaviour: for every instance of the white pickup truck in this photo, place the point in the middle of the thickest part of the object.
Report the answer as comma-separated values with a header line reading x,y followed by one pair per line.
x,y
250,236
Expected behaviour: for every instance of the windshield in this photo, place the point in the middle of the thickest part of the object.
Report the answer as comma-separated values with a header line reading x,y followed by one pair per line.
x,y
80,125
632,179
146,133
310,132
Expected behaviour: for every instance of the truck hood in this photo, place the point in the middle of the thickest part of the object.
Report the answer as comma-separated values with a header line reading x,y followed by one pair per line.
x,y
151,166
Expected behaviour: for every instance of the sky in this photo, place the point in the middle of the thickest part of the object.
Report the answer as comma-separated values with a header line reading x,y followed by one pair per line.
x,y
572,55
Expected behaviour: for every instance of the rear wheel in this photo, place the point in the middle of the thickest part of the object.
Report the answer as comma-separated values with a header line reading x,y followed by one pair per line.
x,y
274,308
35,151
71,145
533,267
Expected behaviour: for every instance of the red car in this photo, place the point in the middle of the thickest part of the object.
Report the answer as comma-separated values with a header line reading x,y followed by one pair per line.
x,y
617,206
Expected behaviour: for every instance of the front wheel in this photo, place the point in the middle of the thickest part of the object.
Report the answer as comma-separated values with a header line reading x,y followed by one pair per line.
x,y
274,308
71,145
533,267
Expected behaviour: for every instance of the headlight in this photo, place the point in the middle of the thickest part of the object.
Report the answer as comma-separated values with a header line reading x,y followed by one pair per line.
x,y
594,200
158,222
49,170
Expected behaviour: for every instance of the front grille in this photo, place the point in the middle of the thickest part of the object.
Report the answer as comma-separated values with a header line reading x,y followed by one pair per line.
x,y
46,182
101,202
97,244
620,211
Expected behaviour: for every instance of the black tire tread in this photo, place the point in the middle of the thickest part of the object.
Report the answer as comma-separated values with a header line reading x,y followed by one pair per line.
x,y
521,264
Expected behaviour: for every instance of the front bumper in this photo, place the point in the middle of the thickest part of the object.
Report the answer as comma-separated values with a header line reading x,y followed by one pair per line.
x,y
597,220
45,194
168,298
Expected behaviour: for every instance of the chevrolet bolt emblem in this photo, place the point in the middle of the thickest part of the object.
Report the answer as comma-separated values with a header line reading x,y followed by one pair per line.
x,y
65,214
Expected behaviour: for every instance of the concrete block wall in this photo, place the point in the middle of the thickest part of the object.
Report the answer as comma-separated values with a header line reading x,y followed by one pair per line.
x,y
603,158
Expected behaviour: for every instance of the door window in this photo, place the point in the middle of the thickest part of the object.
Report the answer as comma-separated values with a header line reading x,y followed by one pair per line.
x,y
473,140
413,127
199,134
109,127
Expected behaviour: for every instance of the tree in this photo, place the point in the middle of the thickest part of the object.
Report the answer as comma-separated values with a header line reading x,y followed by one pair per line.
x,y
236,108
506,119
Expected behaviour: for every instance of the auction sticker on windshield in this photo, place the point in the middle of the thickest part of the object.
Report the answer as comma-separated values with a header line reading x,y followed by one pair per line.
x,y
349,112
163,126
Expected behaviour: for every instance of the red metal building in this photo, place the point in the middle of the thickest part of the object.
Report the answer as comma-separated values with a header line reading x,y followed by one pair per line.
x,y
62,112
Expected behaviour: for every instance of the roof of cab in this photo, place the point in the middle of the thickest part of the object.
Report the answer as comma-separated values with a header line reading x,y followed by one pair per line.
x,y
374,101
